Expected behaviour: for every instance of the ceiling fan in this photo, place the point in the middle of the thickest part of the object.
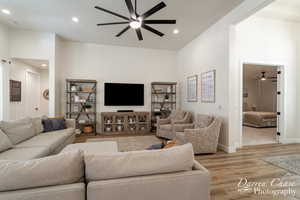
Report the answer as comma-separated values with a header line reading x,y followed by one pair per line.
x,y
264,77
137,21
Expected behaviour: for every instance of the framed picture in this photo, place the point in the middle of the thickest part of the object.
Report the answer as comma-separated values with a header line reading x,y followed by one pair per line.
x,y
208,87
15,91
192,83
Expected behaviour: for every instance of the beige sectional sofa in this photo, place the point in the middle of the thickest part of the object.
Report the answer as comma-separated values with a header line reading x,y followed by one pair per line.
x,y
78,175
24,139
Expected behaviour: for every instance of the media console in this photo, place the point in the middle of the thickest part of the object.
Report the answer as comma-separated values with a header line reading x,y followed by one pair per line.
x,y
114,123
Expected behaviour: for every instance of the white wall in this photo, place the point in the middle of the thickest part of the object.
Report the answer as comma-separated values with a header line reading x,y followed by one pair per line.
x,y
44,103
208,52
18,72
274,42
213,49
36,45
115,64
4,48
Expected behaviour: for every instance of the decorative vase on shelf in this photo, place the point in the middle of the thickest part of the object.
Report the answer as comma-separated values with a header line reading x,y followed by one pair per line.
x,y
73,88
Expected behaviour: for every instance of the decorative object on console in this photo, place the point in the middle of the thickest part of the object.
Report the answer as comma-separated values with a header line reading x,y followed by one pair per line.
x,y
208,87
192,88
15,91
137,21
163,100
81,103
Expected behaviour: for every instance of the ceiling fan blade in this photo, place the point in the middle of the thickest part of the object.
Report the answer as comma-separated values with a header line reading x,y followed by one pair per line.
x,y
159,21
123,31
139,33
135,7
153,10
110,12
149,28
113,23
130,8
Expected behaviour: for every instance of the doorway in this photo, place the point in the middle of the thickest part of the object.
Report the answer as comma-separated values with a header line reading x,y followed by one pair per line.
x,y
33,77
261,100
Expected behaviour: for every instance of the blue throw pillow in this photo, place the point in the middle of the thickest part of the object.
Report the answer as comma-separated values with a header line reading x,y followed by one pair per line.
x,y
155,147
54,124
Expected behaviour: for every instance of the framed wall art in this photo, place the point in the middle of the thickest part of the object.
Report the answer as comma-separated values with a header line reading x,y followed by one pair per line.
x,y
15,91
192,88
208,87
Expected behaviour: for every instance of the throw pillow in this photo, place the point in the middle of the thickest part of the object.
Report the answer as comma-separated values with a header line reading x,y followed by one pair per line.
x,y
61,169
171,144
5,143
18,130
155,147
54,124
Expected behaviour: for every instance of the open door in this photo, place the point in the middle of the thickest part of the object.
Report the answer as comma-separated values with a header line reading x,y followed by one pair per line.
x,y
33,94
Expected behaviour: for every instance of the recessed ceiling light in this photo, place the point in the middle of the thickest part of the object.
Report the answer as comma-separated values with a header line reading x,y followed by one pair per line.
x,y
75,19
5,11
176,31
44,65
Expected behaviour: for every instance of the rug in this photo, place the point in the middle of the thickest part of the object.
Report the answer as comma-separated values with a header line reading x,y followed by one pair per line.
x,y
290,163
132,143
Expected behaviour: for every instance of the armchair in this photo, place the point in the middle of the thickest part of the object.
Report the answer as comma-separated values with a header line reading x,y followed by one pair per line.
x,y
176,122
204,136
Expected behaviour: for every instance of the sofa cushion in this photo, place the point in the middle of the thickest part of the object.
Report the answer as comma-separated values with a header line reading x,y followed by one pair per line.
x,y
18,130
38,126
60,169
93,147
138,163
25,153
74,191
203,121
50,140
167,127
5,143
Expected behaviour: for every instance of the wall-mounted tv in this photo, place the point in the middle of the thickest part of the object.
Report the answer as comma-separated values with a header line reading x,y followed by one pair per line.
x,y
120,94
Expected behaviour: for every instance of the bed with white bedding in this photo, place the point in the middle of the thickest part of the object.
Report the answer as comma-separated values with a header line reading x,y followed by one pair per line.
x,y
259,119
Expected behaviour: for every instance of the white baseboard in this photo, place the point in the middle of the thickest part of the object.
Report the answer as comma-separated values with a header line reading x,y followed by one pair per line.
x,y
290,140
227,149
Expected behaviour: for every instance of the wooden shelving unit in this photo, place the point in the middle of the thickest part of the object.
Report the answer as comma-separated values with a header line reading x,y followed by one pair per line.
x,y
81,104
125,123
163,100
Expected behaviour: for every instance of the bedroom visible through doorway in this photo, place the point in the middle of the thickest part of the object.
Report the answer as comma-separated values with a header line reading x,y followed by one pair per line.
x,y
260,104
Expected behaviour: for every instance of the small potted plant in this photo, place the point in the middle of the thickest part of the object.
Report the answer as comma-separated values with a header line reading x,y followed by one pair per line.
x,y
88,108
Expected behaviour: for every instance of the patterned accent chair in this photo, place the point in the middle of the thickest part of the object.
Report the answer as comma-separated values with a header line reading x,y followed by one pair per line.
x,y
176,122
204,136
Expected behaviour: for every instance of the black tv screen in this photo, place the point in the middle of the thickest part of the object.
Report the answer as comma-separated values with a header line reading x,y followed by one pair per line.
x,y
120,94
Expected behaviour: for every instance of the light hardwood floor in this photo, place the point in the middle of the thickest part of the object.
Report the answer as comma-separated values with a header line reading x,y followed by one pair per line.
x,y
227,170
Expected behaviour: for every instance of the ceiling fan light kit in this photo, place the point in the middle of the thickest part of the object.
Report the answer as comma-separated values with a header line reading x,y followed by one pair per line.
x,y
136,21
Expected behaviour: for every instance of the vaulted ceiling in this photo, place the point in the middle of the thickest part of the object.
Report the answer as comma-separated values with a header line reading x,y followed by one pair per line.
x,y
282,9
193,17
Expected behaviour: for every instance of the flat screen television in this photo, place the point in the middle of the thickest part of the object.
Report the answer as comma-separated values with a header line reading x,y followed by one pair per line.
x,y
120,94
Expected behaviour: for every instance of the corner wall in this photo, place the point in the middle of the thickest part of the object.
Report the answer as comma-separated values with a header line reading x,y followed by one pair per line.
x,y
4,49
214,49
